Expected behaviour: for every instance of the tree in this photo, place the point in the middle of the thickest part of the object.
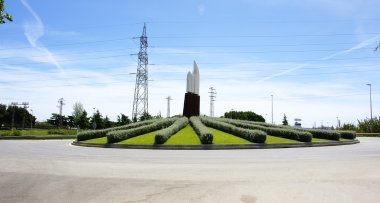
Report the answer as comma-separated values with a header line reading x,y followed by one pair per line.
x,y
108,123
83,121
97,118
285,120
55,120
123,120
145,116
377,48
244,115
3,111
3,14
20,117
77,116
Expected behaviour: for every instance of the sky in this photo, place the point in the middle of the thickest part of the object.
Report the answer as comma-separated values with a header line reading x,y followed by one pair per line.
x,y
314,56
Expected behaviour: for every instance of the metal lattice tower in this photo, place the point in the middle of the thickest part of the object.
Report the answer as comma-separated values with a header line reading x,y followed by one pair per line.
x,y
212,99
140,101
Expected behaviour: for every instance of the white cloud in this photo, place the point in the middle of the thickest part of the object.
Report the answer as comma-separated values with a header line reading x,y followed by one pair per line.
x,y
34,31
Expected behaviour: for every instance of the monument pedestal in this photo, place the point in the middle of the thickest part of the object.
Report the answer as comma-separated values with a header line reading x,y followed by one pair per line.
x,y
191,105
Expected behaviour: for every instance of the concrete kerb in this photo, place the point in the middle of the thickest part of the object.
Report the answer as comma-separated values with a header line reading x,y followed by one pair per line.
x,y
50,137
216,146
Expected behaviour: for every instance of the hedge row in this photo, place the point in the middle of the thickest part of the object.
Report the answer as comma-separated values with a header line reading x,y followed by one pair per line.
x,y
120,135
204,134
318,133
302,136
257,136
91,134
163,135
323,134
347,134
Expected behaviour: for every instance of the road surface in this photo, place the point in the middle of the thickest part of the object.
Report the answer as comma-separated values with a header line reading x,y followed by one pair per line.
x,y
56,171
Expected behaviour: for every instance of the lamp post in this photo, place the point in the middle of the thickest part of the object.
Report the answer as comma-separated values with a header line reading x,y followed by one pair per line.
x,y
272,107
370,103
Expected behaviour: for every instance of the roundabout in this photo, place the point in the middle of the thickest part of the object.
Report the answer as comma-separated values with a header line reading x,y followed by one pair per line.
x,y
206,133
56,171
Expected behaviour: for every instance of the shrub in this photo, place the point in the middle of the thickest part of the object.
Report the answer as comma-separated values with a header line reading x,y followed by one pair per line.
x,y
60,132
274,131
120,135
16,132
102,133
204,134
321,133
163,135
347,134
6,133
256,136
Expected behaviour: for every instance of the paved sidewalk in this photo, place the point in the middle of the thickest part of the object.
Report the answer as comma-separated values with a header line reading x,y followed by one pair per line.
x,y
55,171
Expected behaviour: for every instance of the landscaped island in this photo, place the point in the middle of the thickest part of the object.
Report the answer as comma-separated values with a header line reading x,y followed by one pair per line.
x,y
208,131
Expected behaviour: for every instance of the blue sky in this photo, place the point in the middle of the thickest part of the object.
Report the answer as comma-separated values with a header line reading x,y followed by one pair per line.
x,y
315,57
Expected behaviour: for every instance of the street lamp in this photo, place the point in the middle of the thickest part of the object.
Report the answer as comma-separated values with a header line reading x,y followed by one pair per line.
x,y
370,102
272,107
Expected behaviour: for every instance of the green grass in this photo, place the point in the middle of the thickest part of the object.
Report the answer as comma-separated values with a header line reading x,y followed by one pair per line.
x,y
101,140
147,138
40,132
320,140
185,136
272,139
344,139
221,137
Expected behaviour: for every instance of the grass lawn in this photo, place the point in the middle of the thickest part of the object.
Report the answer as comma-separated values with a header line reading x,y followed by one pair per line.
x,y
273,139
185,136
320,140
101,140
41,132
147,138
221,137
344,139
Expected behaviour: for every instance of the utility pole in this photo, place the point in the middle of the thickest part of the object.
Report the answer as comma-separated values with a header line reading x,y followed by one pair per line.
x,y
212,99
61,102
25,106
168,108
31,120
13,104
370,103
140,101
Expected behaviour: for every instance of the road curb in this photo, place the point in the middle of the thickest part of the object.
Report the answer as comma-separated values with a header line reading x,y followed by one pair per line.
x,y
50,137
216,146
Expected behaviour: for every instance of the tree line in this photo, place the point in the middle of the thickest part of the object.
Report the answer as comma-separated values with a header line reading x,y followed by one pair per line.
x,y
20,118
15,117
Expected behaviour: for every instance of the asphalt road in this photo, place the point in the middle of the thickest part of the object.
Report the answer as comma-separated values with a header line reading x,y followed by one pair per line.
x,y
56,171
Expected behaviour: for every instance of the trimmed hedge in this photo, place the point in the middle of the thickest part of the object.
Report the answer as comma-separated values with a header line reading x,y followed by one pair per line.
x,y
204,134
302,136
120,135
347,134
163,135
324,134
256,136
91,134
318,133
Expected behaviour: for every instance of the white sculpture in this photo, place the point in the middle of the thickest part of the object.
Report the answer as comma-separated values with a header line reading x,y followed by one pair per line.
x,y
192,84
